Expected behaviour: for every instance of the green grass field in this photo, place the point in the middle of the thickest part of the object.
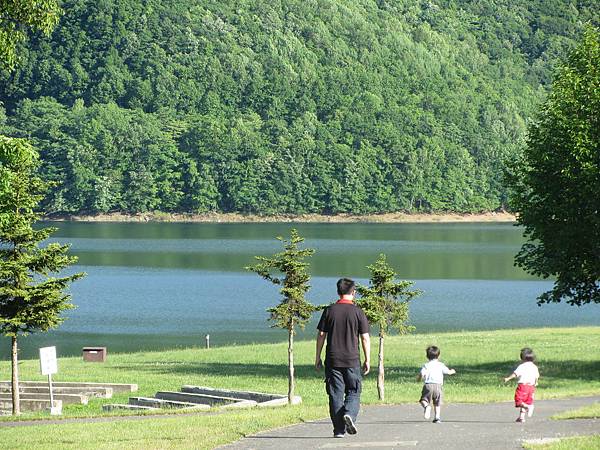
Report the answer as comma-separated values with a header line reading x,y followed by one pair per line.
x,y
574,443
587,412
566,357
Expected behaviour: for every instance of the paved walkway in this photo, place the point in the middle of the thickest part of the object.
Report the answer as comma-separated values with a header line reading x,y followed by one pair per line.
x,y
465,426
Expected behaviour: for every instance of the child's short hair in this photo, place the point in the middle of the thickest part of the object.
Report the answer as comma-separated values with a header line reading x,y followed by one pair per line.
x,y
432,352
345,286
527,354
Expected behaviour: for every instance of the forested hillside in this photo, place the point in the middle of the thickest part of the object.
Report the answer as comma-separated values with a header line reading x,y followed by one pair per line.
x,y
285,106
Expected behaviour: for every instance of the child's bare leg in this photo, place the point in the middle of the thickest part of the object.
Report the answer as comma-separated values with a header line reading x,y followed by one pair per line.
x,y
438,412
530,410
522,412
426,409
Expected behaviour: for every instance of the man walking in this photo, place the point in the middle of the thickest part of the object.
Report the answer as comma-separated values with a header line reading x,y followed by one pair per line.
x,y
341,325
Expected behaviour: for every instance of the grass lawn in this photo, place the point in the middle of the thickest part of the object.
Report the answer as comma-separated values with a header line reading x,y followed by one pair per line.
x,y
574,443
567,357
587,412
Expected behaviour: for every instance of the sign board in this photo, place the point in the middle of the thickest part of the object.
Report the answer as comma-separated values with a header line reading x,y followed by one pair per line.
x,y
48,364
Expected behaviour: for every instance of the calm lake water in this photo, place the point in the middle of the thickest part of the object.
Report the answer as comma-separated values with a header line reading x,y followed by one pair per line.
x,y
158,285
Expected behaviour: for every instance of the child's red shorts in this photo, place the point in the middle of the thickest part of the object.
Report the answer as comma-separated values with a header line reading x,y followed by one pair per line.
x,y
524,395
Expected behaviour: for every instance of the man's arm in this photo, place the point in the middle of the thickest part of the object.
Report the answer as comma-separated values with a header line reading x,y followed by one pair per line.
x,y
321,336
365,340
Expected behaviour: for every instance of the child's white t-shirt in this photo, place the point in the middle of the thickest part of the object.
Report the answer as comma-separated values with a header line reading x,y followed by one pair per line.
x,y
527,373
434,371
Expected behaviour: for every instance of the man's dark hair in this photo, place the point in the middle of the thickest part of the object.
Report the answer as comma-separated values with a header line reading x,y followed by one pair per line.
x,y
432,352
345,286
527,354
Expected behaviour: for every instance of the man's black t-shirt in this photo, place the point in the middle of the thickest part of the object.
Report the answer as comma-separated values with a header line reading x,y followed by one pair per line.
x,y
343,323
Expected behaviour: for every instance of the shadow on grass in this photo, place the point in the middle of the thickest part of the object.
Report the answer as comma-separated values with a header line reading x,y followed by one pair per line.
x,y
550,370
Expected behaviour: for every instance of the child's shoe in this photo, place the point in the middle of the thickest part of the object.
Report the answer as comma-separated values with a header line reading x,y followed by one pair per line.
x,y
437,420
520,420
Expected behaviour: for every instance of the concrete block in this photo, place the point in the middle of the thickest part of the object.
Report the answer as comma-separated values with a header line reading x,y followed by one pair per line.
x,y
258,397
296,400
161,403
261,398
67,399
115,406
116,387
31,405
211,400
100,392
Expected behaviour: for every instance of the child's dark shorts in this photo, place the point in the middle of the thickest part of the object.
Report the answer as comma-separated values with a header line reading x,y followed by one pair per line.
x,y
432,393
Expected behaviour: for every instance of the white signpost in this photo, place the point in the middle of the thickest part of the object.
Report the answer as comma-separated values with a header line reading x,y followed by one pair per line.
x,y
49,366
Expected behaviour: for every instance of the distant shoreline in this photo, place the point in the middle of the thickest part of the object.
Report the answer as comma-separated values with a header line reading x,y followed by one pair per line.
x,y
283,218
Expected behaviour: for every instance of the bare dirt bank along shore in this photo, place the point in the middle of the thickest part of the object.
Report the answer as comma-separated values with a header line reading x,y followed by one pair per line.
x,y
317,218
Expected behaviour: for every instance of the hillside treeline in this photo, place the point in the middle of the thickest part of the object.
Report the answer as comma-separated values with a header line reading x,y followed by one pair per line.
x,y
285,106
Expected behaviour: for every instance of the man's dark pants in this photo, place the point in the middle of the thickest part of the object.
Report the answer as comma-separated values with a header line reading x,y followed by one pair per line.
x,y
343,385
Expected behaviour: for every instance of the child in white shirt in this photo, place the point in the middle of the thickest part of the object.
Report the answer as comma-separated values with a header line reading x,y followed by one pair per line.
x,y
527,375
432,373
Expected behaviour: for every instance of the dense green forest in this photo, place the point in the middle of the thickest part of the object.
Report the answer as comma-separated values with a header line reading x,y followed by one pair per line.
x,y
285,106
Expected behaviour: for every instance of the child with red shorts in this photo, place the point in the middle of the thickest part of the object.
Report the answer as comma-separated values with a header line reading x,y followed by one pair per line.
x,y
527,376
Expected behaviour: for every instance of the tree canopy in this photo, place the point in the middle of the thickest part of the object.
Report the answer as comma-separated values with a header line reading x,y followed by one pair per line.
x,y
263,106
557,183
16,17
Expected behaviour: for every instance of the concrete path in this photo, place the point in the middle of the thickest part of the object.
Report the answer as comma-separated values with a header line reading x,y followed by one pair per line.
x,y
464,426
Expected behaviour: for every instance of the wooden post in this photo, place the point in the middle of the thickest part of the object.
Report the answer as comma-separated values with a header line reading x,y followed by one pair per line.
x,y
291,364
16,400
380,369
207,338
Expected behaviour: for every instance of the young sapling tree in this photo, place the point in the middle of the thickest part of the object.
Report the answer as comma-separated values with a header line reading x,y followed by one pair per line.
x,y
385,303
288,270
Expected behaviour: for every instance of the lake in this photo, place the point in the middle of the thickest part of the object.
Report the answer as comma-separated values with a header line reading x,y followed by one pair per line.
x,y
166,285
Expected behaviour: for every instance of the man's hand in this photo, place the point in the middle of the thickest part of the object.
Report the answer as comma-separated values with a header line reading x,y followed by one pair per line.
x,y
318,364
366,367
321,336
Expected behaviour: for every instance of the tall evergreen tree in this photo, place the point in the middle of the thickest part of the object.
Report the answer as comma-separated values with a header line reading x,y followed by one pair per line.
x,y
293,310
30,298
385,303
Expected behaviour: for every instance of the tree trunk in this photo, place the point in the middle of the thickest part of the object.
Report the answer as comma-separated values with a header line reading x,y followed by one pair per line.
x,y
291,365
380,369
16,401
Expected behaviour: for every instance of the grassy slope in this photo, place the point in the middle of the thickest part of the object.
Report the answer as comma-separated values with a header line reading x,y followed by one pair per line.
x,y
566,358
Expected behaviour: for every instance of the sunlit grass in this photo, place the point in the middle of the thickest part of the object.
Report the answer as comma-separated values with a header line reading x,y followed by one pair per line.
x,y
566,357
572,443
587,412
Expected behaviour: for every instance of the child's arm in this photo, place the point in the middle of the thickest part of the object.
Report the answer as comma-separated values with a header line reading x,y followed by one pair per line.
x,y
447,371
510,377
